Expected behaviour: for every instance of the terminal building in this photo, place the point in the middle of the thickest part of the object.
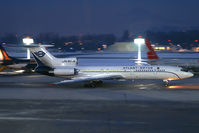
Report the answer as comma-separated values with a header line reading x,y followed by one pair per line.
x,y
130,46
162,47
125,47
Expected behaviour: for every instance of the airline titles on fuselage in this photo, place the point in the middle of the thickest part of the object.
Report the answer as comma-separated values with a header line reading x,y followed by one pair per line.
x,y
143,69
66,61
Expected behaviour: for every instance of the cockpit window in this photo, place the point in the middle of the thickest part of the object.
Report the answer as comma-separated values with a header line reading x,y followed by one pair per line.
x,y
184,69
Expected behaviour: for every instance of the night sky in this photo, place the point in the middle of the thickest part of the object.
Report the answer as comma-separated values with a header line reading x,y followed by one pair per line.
x,y
76,17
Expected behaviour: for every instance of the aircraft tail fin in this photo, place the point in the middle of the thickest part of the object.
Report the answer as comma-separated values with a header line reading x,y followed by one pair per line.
x,y
44,58
151,54
41,55
4,55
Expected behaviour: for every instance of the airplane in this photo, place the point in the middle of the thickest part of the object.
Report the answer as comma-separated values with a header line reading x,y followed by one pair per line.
x,y
189,63
67,68
11,65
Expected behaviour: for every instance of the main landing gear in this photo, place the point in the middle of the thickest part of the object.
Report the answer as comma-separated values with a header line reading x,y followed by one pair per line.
x,y
93,84
166,82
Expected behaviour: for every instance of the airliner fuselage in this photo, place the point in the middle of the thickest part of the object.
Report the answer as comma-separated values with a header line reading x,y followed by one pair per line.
x,y
126,72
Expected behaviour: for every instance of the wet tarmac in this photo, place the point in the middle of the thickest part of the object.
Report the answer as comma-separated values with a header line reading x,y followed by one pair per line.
x,y
29,104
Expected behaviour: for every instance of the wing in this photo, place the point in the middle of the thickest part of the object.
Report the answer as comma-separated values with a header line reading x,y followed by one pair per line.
x,y
90,78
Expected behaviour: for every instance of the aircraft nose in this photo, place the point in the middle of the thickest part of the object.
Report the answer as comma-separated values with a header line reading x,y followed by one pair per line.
x,y
188,75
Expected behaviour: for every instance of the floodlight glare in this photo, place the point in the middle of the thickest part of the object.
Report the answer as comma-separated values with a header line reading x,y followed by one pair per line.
x,y
28,40
139,42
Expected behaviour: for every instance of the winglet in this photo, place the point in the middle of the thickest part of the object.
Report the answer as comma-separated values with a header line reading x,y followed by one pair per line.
x,y
151,54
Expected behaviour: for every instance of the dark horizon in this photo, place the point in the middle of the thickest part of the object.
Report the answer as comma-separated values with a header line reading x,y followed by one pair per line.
x,y
82,17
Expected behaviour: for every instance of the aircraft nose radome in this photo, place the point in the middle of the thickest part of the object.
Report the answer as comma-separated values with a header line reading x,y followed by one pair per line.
x,y
188,75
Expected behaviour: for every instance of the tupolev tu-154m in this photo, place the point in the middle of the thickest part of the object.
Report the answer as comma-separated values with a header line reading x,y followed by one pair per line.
x,y
69,69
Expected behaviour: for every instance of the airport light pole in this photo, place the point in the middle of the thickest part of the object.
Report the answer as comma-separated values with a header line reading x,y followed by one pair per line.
x,y
139,42
28,41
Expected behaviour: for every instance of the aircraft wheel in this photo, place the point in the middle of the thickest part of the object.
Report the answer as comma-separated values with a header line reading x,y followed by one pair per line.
x,y
98,82
90,85
93,85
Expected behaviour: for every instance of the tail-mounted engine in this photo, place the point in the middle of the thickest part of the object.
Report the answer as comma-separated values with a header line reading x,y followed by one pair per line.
x,y
65,72
57,71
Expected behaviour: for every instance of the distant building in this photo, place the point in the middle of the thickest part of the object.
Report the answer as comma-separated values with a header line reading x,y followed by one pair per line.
x,y
125,47
162,47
